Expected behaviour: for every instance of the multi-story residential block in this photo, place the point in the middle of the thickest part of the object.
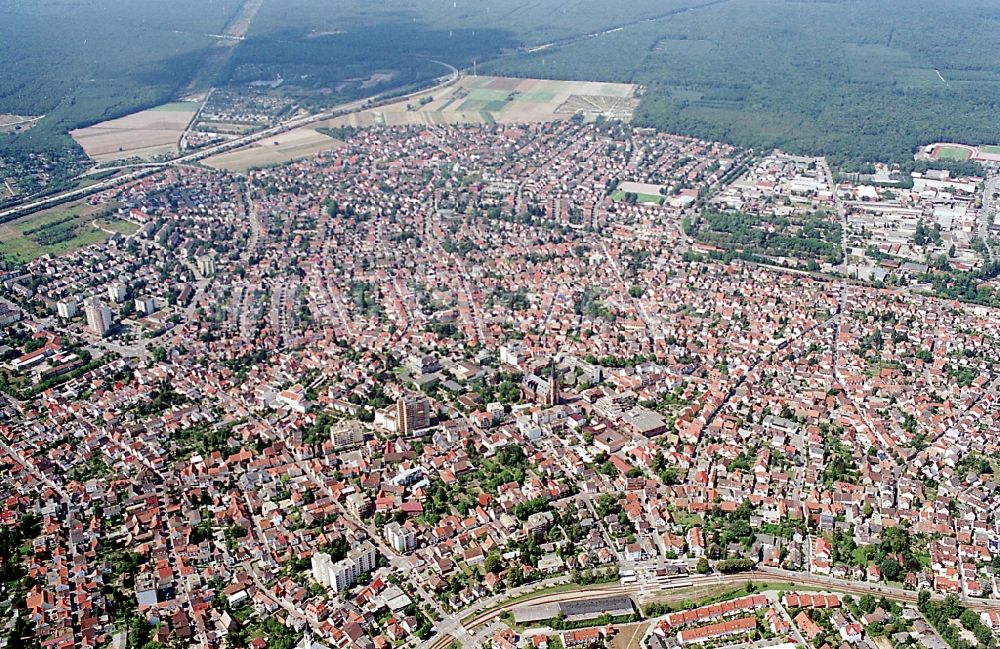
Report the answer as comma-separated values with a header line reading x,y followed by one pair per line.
x,y
341,575
400,538
98,316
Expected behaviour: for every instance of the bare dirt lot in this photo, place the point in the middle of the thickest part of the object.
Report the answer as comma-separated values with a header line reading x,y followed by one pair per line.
x,y
12,123
143,135
629,636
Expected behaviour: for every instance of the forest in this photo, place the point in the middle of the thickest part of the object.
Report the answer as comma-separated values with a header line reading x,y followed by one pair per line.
x,y
529,23
851,80
319,70
79,63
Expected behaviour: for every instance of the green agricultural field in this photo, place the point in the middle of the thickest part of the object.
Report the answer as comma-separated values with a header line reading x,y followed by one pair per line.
x,y
477,106
487,94
58,231
178,106
535,97
952,154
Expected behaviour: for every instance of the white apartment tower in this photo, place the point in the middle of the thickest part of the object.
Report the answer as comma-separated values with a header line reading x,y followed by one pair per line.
x,y
98,316
341,575
67,308
117,292
400,538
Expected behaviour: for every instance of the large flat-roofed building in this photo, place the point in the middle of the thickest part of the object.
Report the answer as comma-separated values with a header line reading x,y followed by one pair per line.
x,y
645,422
347,434
577,610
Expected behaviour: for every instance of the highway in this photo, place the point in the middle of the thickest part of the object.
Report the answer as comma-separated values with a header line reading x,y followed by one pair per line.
x,y
298,122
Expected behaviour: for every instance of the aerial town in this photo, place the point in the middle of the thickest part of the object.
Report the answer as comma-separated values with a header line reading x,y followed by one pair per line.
x,y
557,384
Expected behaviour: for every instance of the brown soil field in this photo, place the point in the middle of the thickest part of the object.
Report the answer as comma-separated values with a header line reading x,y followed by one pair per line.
x,y
144,134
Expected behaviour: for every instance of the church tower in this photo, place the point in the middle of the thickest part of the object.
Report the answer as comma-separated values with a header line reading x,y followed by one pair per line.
x,y
552,397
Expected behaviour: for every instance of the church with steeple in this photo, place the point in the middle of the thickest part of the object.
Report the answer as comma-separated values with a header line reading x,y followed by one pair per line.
x,y
544,391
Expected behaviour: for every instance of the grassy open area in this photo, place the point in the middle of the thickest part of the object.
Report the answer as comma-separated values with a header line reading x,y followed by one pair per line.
x,y
117,225
991,149
58,231
642,198
687,519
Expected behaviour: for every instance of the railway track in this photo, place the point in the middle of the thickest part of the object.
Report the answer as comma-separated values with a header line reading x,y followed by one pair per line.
x,y
644,594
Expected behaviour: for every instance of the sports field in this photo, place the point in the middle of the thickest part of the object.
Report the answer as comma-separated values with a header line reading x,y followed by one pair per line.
x,y
952,154
990,149
949,153
641,198
145,134
58,231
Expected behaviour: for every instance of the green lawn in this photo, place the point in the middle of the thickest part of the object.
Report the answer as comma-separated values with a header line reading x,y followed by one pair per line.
x,y
952,154
123,227
990,148
687,520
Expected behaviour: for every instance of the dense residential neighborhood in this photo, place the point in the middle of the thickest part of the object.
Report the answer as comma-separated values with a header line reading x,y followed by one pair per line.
x,y
552,384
